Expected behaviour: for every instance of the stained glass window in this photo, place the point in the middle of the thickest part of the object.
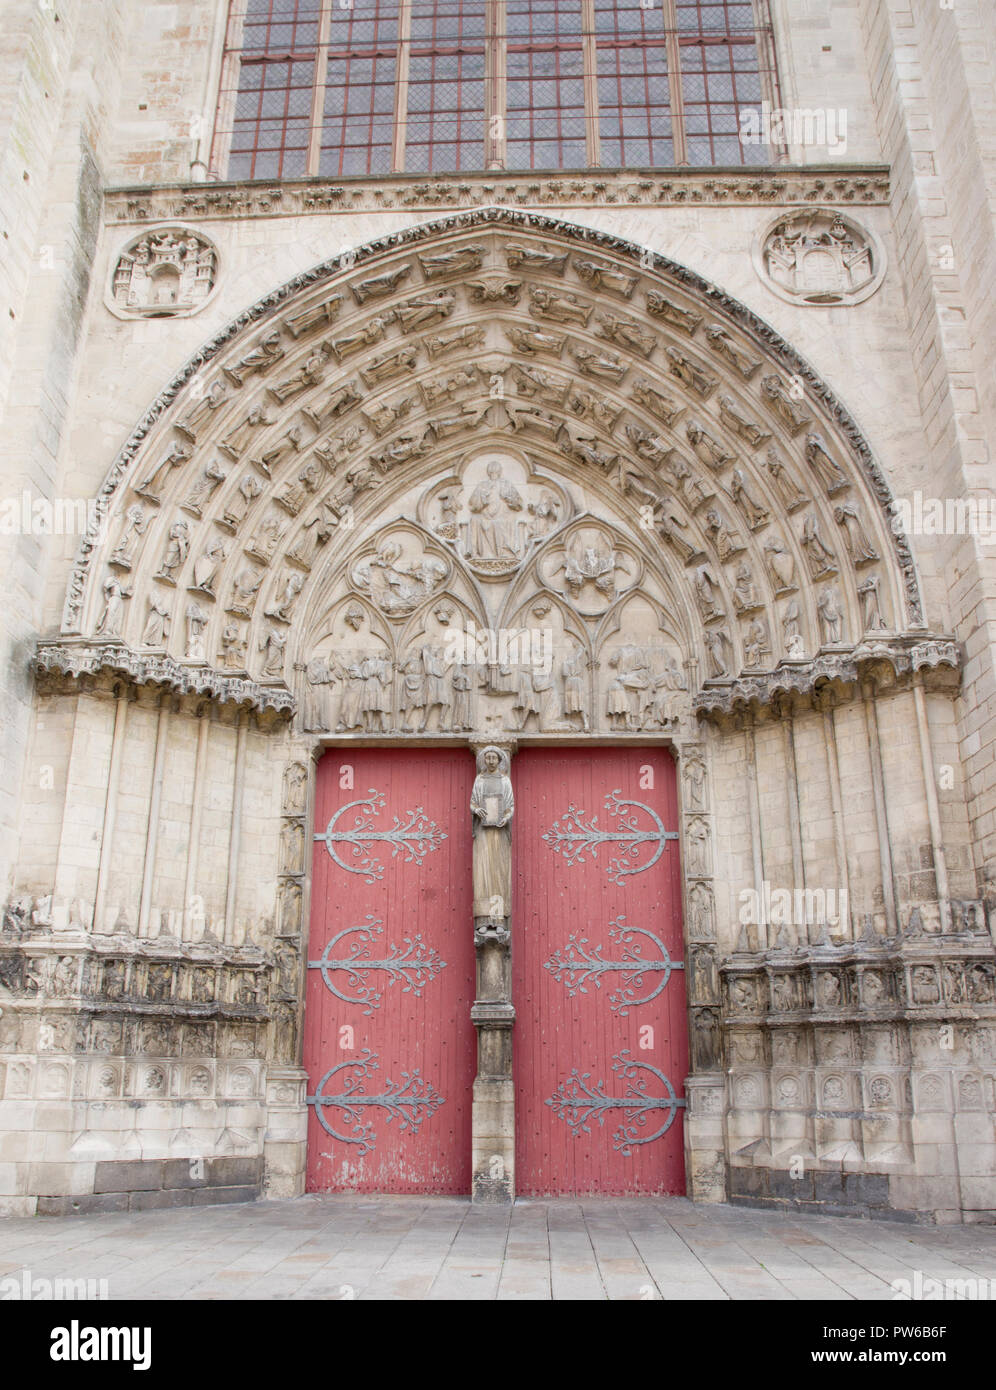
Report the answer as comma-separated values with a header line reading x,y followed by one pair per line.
x,y
365,87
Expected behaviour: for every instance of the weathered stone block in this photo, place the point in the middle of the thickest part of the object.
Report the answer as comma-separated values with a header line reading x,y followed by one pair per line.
x,y
129,1176
207,1196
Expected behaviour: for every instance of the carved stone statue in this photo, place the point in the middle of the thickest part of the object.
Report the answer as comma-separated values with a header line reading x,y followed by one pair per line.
x,y
831,615
871,610
784,485
826,468
135,522
175,551
492,806
856,539
112,613
157,624
197,621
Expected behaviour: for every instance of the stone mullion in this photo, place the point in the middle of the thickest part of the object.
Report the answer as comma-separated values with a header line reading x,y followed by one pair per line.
x,y
675,94
495,85
592,136
318,88
199,164
155,803
401,87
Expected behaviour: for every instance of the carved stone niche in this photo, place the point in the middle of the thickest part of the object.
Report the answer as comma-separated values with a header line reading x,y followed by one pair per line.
x,y
642,682
167,272
493,512
819,256
346,682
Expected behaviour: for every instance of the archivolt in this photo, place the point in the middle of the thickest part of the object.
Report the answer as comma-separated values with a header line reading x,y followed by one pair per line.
x,y
721,459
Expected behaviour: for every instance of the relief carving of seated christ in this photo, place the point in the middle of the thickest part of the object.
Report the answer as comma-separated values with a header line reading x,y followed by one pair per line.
x,y
493,506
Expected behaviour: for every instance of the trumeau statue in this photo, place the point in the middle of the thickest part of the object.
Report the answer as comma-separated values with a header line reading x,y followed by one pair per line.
x,y
492,806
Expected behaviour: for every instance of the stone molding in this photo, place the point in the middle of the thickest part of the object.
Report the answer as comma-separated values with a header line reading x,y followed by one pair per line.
x,y
854,185
846,668
77,660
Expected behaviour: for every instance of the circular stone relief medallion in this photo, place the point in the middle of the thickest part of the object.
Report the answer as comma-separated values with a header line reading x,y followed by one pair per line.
x,y
819,256
164,272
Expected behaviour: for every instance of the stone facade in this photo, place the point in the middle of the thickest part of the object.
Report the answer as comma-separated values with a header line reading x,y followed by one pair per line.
x,y
618,418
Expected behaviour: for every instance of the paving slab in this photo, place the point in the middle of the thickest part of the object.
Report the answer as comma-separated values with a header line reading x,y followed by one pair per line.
x,y
444,1249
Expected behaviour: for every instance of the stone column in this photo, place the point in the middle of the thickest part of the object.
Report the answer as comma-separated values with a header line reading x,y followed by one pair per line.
x,y
122,698
492,1013
930,792
881,811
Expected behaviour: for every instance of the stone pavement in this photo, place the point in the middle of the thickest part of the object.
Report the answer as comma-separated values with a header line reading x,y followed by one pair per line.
x,y
443,1248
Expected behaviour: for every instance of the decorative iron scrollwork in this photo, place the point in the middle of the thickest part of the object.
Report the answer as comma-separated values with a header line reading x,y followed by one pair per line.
x,y
577,966
416,837
575,836
412,966
578,1103
414,1101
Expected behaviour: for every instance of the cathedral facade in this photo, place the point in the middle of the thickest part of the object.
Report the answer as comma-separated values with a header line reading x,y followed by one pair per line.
x,y
499,648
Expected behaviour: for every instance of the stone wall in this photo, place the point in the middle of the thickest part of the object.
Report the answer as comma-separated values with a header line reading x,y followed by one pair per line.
x,y
150,960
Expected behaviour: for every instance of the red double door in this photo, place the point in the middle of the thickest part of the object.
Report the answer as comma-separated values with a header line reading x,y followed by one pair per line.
x,y
600,1035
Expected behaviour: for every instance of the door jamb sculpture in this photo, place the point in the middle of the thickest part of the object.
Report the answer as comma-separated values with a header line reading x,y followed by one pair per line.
x,y
492,806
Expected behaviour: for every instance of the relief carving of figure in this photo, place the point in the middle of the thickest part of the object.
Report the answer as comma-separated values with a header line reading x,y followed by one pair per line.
x,y
871,612
574,669
210,479
781,565
207,565
629,690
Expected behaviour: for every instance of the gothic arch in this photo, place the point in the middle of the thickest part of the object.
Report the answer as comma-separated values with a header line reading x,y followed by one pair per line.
x,y
630,409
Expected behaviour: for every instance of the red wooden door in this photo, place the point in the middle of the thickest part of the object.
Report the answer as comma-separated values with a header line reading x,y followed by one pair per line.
x,y
388,1043
601,1032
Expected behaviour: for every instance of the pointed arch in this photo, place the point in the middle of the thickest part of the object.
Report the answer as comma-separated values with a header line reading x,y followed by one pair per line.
x,y
614,384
